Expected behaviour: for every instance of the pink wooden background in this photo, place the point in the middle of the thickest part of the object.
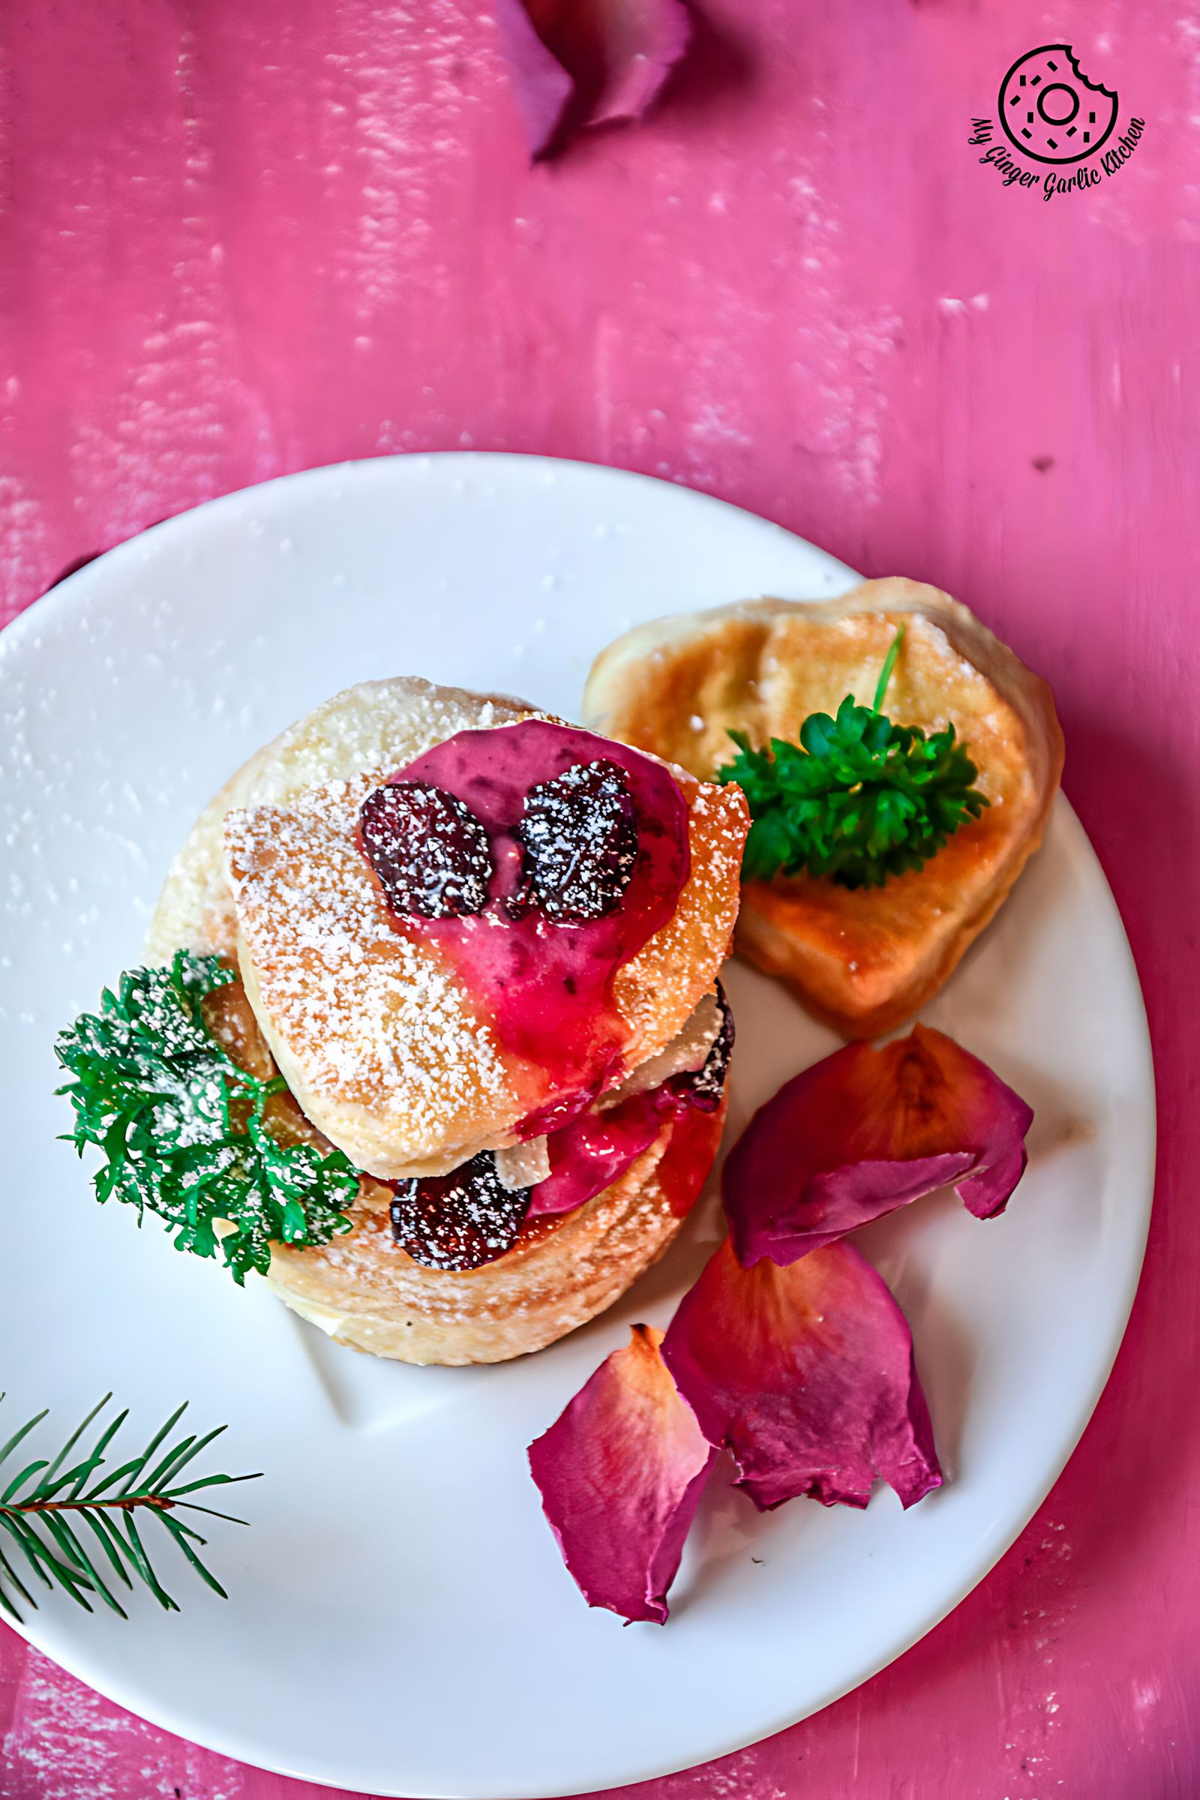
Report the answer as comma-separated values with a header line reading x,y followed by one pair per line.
x,y
245,236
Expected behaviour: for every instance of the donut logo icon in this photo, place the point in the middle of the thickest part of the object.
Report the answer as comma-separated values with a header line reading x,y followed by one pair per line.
x,y
1049,109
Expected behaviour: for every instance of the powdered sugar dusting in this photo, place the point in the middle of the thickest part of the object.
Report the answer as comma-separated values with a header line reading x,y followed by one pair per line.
x,y
374,728
701,933
359,1016
381,1045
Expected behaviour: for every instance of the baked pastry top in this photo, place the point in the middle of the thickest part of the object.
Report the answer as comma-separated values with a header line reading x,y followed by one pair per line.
x,y
383,1043
388,1052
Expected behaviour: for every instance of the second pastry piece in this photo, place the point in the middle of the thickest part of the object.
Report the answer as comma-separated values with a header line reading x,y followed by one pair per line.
x,y
866,959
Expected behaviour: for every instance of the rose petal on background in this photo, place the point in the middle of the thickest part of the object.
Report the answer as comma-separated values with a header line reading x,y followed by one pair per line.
x,y
806,1375
620,1475
576,63
541,86
640,42
866,1131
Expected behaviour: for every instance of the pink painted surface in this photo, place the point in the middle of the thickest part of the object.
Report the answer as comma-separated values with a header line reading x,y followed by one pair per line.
x,y
241,239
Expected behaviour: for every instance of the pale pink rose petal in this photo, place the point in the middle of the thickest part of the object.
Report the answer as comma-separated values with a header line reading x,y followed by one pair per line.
x,y
541,86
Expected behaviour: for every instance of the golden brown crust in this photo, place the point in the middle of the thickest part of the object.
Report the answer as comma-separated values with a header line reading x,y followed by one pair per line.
x,y
377,1039
367,1293
862,961
361,1288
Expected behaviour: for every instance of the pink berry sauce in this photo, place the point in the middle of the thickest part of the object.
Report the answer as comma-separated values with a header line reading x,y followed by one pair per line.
x,y
465,1219
594,1150
582,877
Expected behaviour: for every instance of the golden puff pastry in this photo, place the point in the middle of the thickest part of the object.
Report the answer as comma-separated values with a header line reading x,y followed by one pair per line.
x,y
865,960
367,1293
378,1042
384,1053
563,1270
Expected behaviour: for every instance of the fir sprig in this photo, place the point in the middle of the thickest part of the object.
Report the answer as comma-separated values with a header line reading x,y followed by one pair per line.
x,y
181,1125
53,1508
859,799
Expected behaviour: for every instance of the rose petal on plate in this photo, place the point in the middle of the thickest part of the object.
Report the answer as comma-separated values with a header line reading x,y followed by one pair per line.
x,y
806,1375
576,63
866,1131
620,1475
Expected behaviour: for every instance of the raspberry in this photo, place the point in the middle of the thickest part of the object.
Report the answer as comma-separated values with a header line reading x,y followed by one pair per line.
x,y
430,852
458,1221
580,839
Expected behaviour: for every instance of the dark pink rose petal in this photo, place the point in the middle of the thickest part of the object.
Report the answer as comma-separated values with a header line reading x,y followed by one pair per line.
x,y
866,1131
636,43
806,1375
541,86
593,1151
576,63
620,1475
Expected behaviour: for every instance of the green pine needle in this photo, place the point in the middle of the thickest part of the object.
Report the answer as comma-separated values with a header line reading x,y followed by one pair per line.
x,y
152,1088
858,799
51,1510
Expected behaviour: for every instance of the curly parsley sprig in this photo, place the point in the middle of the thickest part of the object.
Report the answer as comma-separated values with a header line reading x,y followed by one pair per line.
x,y
181,1125
859,799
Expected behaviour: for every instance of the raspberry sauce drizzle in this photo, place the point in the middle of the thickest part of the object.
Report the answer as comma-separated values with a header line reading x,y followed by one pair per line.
x,y
544,987
465,1219
596,1149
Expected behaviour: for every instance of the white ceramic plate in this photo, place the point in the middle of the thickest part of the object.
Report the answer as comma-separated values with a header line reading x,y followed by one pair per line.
x,y
399,1620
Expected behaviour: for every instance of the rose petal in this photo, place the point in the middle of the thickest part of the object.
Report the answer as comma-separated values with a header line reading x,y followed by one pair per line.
x,y
806,1374
541,86
576,63
866,1131
639,43
620,1475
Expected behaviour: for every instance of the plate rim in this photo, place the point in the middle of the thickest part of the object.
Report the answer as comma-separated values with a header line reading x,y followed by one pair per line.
x,y
64,594
360,468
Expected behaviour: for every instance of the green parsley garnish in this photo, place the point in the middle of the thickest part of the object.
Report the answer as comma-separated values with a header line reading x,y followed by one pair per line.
x,y
858,799
153,1087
